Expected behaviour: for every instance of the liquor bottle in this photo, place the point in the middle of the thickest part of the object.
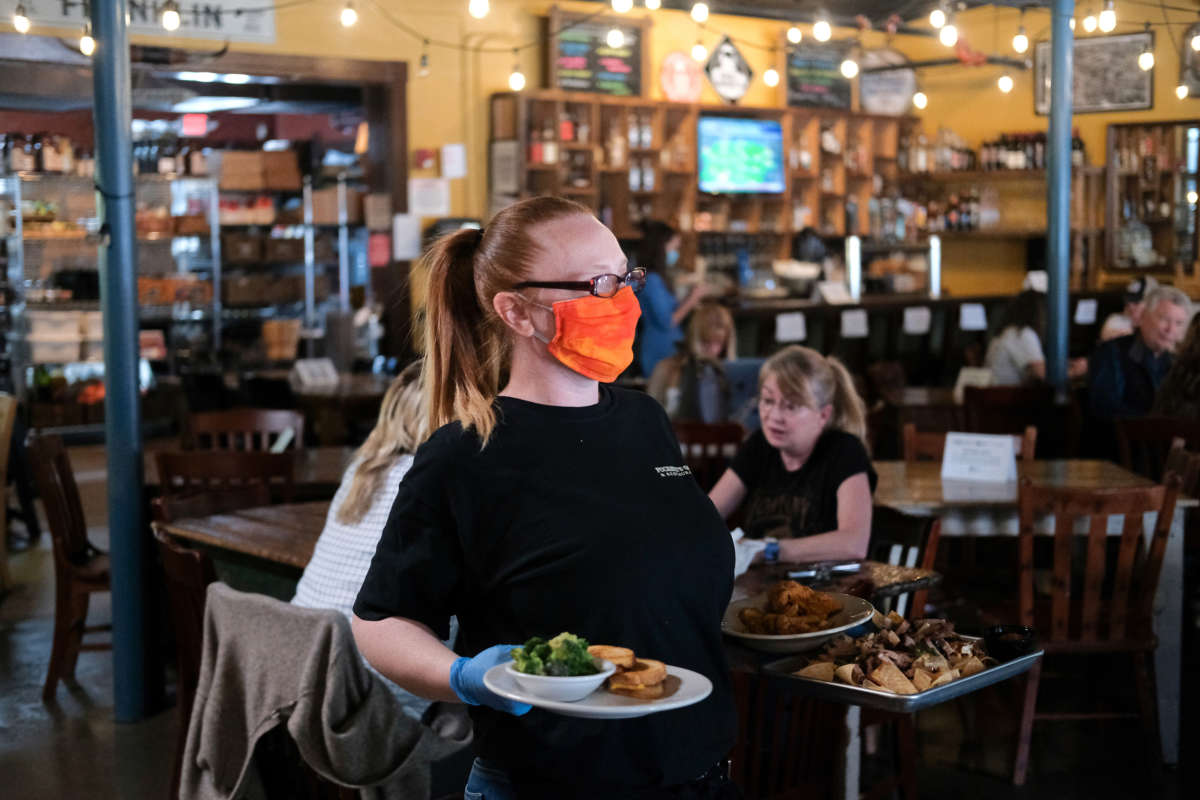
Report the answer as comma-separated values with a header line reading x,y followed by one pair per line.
x,y
952,215
1030,153
647,132
583,128
635,175
1078,158
648,175
165,163
549,143
635,132
566,127
535,146
197,161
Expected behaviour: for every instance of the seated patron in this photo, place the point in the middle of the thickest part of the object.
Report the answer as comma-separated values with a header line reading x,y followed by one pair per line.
x,y
1179,395
1015,356
1125,322
692,385
805,475
1127,371
659,330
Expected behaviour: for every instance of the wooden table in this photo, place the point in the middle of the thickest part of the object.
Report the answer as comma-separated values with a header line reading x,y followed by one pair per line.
x,y
284,534
318,474
991,510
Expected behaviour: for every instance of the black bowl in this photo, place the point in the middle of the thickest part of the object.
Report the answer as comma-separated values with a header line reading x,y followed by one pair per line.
x,y
1006,642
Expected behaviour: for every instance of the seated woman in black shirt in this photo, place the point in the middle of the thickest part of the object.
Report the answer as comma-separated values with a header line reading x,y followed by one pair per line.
x,y
546,502
806,471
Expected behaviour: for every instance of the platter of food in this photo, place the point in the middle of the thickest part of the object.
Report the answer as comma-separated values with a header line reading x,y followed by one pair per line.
x,y
902,666
792,618
570,677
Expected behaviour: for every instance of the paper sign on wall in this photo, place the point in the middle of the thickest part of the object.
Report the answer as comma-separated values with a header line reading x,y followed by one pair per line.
x,y
1085,312
790,327
454,161
917,320
972,317
979,457
854,323
834,292
315,372
406,237
429,197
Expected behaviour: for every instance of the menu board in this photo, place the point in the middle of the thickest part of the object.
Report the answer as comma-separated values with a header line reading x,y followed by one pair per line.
x,y
814,76
581,60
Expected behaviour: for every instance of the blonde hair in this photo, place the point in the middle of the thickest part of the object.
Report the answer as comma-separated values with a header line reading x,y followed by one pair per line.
x,y
810,379
704,319
401,427
467,344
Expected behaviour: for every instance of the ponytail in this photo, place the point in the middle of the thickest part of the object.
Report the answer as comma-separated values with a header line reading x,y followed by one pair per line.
x,y
810,379
849,410
466,342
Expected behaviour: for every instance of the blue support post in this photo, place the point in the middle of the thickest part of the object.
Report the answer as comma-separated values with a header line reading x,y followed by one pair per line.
x,y
1058,180
122,417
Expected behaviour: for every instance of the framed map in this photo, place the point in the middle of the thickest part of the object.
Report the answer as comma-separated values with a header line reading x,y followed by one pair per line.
x,y
1107,76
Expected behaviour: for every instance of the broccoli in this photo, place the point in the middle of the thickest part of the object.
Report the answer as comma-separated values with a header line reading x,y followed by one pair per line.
x,y
564,655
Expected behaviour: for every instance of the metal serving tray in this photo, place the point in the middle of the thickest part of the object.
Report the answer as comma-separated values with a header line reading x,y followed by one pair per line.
x,y
898,703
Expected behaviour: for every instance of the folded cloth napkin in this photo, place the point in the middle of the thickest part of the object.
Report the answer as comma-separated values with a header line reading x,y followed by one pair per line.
x,y
744,551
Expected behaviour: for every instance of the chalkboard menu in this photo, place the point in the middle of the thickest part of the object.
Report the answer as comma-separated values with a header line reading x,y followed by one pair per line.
x,y
1106,74
582,60
814,76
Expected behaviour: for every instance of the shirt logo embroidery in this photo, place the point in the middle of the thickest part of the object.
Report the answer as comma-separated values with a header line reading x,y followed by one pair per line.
x,y
673,472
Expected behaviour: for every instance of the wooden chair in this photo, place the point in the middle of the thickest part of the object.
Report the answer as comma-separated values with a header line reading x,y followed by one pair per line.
x,y
250,429
929,445
1186,465
708,447
1006,409
1143,443
195,471
8,416
80,569
1112,614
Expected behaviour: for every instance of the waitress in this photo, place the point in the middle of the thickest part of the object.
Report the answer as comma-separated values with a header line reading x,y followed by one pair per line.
x,y
662,317
548,501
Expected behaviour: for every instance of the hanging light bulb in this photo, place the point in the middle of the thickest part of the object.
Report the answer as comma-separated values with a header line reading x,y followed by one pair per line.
x,y
653,5
349,16
919,99
516,80
700,12
822,30
622,6
1196,42
1071,23
771,77
948,35
479,9
849,67
1146,60
699,51
937,17
1005,83
170,16
21,19
794,35
1181,91
1108,17
1090,23
1192,197
87,45
1020,40
423,70
614,38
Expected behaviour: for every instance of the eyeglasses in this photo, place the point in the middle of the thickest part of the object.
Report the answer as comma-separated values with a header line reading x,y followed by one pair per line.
x,y
599,286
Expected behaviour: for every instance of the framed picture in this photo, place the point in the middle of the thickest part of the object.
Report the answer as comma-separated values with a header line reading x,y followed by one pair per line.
x,y
1107,76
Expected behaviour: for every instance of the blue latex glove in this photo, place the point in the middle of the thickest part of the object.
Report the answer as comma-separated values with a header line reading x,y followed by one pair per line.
x,y
466,679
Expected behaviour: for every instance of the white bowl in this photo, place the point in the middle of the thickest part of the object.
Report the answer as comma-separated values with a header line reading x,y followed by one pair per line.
x,y
561,689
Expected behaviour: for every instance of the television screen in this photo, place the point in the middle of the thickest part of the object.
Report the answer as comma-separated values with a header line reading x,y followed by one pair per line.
x,y
743,155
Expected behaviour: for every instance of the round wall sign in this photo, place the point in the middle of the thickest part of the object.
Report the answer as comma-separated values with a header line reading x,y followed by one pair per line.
x,y
680,77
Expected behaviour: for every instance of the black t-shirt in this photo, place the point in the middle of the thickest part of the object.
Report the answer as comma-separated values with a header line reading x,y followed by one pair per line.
x,y
787,504
570,519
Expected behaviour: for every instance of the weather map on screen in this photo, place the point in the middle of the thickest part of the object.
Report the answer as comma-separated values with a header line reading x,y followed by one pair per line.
x,y
740,155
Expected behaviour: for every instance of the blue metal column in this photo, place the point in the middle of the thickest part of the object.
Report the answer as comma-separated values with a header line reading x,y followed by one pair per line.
x,y
118,296
1058,181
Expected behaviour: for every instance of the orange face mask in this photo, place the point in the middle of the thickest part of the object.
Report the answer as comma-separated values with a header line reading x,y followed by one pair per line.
x,y
594,335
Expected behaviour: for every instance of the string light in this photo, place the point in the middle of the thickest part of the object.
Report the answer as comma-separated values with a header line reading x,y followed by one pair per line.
x,y
349,15
1071,23
1005,83
794,35
849,67
614,38
479,9
1192,197
948,35
937,17
1181,91
771,75
1089,22
1108,17
622,6
920,100
1146,58
699,51
654,5
822,30
1020,40
87,45
423,70
1196,42
170,16
700,12
21,19
516,81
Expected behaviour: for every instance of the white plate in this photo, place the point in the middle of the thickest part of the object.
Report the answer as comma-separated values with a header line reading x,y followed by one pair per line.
x,y
855,611
603,704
